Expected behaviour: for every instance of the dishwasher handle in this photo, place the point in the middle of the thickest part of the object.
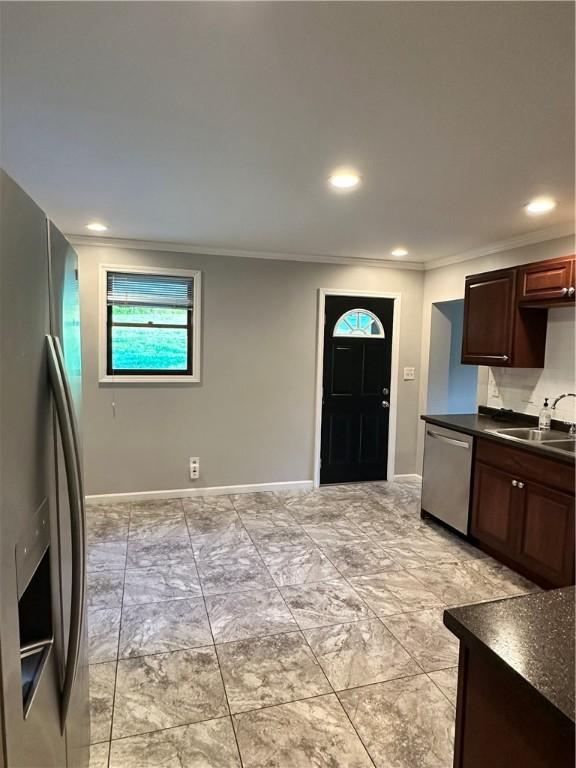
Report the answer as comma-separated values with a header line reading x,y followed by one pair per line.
x,y
449,440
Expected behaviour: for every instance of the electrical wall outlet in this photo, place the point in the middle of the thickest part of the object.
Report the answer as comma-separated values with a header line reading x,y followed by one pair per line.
x,y
194,467
409,374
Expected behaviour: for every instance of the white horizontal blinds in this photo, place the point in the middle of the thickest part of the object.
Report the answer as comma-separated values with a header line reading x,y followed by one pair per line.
x,y
146,290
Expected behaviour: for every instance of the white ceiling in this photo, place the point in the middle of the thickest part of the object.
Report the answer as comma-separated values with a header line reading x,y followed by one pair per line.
x,y
216,124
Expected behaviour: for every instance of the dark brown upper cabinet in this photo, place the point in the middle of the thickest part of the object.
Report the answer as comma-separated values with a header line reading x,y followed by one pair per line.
x,y
549,282
506,312
497,331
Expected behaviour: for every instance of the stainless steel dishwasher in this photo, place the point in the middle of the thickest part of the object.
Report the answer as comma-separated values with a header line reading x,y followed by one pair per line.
x,y
446,476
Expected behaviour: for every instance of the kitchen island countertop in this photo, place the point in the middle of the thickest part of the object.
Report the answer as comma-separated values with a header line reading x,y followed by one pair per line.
x,y
532,636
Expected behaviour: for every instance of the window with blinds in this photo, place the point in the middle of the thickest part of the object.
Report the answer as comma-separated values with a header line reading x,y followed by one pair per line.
x,y
150,323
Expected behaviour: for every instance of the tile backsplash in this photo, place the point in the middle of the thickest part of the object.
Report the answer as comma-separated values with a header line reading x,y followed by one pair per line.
x,y
524,389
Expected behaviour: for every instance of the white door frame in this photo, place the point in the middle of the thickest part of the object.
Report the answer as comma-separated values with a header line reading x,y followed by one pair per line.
x,y
322,293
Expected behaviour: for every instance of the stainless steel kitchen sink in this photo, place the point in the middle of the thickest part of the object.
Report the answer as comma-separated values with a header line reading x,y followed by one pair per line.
x,y
532,435
564,445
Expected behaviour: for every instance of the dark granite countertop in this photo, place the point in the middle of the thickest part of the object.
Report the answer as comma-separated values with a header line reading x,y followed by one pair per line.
x,y
532,635
479,424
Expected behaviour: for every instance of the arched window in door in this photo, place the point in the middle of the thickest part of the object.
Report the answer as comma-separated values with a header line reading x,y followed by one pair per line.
x,y
359,322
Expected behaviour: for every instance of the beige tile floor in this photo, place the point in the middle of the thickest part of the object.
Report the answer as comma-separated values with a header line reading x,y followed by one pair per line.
x,y
278,630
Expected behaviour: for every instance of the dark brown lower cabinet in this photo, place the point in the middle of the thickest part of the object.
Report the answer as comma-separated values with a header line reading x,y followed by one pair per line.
x,y
546,540
502,722
493,508
523,512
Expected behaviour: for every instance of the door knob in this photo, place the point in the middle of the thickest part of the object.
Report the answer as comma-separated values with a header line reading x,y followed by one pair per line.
x,y
385,391
520,485
514,483
385,404
571,290
564,291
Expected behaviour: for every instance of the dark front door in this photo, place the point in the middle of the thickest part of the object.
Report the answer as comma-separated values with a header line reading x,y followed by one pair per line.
x,y
356,388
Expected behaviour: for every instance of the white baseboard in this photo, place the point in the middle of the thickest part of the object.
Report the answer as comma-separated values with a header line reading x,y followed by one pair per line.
x,y
185,493
408,477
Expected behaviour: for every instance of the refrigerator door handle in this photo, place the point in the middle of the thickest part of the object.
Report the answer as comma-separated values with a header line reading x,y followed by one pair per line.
x,y
71,449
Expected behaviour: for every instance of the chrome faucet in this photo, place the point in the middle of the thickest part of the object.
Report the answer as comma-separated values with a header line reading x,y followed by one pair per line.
x,y
572,430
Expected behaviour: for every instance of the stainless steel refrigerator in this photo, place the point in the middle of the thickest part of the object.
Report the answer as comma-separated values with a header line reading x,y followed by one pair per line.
x,y
44,715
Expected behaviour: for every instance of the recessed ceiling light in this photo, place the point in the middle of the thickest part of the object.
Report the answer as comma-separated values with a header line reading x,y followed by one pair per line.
x,y
540,205
345,179
399,252
96,226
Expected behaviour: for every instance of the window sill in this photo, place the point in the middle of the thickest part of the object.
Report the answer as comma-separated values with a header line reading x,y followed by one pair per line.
x,y
149,379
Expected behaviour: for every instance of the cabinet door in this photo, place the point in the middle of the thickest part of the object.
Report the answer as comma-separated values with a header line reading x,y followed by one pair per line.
x,y
546,541
494,509
489,307
546,281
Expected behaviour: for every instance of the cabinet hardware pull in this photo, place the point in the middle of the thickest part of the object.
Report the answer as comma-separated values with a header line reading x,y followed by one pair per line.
x,y
564,291
515,483
571,291
520,485
493,357
449,440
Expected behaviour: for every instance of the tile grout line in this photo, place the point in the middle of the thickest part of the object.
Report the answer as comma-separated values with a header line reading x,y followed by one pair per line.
x,y
213,646
306,639
119,636
346,715
115,661
214,640
318,662
400,643
439,688
378,618
163,730
299,628
335,692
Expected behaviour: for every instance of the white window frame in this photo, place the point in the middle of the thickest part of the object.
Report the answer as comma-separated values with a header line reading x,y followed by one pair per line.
x,y
103,376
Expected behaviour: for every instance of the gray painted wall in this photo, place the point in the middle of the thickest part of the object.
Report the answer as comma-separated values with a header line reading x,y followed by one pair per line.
x,y
251,419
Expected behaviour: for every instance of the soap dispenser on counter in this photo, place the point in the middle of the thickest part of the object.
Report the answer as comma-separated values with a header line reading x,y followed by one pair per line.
x,y
545,418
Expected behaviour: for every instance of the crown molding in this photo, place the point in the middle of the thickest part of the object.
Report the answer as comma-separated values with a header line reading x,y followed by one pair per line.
x,y
529,238
152,245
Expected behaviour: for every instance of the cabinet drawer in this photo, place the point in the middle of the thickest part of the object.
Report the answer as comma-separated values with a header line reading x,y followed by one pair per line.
x,y
526,465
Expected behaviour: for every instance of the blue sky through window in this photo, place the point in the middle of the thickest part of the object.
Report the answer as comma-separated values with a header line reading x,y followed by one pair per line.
x,y
359,322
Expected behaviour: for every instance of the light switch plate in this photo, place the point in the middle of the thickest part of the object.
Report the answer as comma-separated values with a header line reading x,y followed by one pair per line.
x,y
409,374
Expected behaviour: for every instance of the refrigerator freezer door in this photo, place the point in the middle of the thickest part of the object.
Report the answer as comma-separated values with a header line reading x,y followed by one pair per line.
x,y
65,326
65,309
27,462
69,438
